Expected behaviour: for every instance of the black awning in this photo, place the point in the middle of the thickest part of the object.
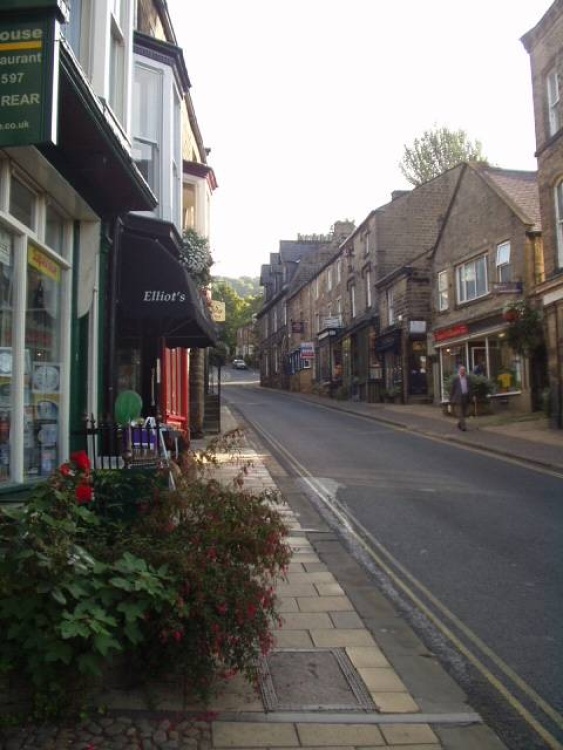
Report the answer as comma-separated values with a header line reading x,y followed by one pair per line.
x,y
156,290
91,153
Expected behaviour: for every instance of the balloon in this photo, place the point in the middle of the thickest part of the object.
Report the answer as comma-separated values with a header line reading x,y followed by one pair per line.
x,y
128,406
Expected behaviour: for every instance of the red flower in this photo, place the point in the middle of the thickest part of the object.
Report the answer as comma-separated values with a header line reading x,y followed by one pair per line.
x,y
80,458
84,494
66,470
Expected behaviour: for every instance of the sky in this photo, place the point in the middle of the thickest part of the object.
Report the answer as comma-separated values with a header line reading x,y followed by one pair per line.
x,y
307,105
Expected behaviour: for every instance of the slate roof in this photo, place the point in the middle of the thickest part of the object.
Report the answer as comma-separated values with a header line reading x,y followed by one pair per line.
x,y
521,190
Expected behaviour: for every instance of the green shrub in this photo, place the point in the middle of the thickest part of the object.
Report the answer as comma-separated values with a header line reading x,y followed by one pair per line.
x,y
183,583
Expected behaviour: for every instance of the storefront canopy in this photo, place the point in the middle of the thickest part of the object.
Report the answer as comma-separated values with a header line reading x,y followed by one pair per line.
x,y
156,290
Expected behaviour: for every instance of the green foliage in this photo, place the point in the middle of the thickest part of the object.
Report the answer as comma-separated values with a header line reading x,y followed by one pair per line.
x,y
435,152
525,329
244,286
63,612
238,312
481,386
183,583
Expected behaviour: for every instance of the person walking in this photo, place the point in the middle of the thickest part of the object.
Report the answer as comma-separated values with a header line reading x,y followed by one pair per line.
x,y
460,396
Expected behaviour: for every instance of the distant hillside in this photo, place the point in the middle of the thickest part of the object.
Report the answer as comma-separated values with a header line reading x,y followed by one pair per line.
x,y
245,286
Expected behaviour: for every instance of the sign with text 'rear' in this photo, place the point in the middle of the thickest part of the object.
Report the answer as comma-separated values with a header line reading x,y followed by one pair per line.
x,y
28,80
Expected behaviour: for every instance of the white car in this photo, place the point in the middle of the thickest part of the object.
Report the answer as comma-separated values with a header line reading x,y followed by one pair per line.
x,y
239,364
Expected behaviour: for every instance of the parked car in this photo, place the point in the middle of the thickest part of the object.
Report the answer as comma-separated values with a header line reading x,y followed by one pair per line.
x,y
239,364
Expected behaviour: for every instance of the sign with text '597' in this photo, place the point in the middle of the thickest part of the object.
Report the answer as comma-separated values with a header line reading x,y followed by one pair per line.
x,y
28,80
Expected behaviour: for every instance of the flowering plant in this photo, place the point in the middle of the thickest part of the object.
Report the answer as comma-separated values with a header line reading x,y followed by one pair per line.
x,y
76,474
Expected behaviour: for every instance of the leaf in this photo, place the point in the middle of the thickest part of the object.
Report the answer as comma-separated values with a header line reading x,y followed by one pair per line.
x,y
122,583
58,596
104,643
59,652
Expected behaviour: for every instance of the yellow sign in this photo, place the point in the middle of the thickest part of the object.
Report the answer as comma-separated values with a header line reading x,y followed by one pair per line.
x,y
42,262
217,311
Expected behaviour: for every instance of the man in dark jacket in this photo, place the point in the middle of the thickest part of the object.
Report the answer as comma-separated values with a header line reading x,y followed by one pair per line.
x,y
460,396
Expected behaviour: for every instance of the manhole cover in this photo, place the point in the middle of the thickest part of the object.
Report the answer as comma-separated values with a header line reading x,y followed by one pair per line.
x,y
313,680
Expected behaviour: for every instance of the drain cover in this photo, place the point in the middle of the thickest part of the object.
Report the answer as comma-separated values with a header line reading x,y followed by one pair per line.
x,y
312,680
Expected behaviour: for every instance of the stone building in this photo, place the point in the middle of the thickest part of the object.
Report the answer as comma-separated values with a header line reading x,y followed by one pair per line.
x,y
487,258
544,43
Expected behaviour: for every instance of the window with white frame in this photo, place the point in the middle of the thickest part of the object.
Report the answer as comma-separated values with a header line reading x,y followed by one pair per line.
x,y
339,270
559,222
471,279
352,293
368,288
147,123
504,268
329,279
366,244
390,297
316,287
552,85
443,296
117,70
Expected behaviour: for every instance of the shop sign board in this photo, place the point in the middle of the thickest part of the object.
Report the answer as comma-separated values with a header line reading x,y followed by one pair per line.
x,y
28,80
297,326
217,311
451,333
307,350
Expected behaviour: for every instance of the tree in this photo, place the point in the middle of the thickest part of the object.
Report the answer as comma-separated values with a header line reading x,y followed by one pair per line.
x,y
238,311
435,152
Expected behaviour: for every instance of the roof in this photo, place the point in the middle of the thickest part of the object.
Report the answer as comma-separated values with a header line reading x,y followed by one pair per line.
x,y
519,188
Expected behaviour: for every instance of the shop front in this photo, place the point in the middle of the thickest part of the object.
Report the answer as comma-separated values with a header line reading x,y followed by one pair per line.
x,y
482,347
64,177
388,349
160,317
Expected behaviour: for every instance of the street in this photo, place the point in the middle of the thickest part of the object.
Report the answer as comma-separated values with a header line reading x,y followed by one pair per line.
x,y
466,546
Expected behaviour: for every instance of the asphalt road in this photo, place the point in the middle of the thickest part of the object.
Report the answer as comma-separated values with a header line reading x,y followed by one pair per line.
x,y
474,539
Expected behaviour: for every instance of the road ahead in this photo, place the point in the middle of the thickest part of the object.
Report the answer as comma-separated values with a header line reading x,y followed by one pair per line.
x,y
467,545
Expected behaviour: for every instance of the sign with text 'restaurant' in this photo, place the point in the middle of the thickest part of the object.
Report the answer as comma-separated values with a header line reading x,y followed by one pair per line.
x,y
28,78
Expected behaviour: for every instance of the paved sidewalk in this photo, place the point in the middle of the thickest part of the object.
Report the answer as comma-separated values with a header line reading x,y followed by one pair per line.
x,y
328,682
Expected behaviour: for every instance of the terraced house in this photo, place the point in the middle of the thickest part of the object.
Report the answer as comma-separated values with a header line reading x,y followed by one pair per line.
x,y
95,190
544,43
423,285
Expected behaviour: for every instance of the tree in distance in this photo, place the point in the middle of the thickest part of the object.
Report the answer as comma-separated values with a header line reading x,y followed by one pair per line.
x,y
435,152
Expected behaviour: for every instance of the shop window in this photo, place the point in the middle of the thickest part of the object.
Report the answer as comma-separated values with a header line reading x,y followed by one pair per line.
x,y
22,203
6,320
472,280
43,368
504,268
443,296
